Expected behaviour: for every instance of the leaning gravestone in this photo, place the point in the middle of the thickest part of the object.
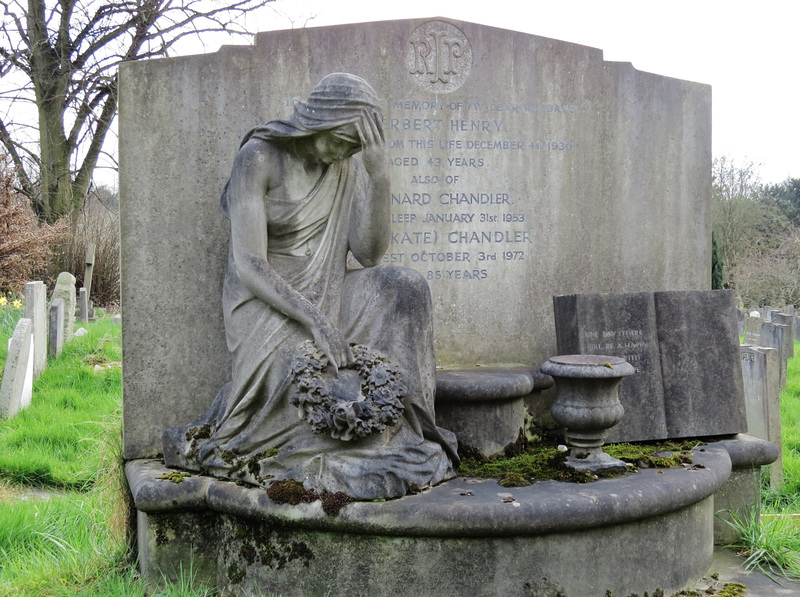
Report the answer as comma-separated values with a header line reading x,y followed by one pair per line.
x,y
12,389
685,348
520,166
65,290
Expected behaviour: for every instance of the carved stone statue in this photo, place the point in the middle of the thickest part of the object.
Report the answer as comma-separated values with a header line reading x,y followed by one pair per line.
x,y
333,366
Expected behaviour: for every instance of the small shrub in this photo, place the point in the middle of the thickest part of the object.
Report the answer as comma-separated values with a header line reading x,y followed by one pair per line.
x,y
25,244
98,223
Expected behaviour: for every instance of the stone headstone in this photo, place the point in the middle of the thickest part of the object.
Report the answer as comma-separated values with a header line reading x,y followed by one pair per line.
x,y
502,147
65,290
12,397
761,377
56,343
83,305
796,327
752,332
776,335
87,273
36,311
787,320
685,348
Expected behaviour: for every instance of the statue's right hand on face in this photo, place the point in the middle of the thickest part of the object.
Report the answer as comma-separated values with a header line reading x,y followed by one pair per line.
x,y
373,141
332,343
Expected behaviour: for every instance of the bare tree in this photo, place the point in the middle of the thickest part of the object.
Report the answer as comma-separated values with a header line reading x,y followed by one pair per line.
x,y
60,59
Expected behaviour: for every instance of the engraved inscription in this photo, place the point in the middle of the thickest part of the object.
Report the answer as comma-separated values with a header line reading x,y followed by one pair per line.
x,y
630,344
438,56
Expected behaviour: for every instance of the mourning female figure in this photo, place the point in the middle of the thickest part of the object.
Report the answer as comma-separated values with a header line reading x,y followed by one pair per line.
x,y
333,367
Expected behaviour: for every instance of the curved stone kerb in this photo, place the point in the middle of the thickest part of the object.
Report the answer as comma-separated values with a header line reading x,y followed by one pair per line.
x,y
749,451
463,507
480,384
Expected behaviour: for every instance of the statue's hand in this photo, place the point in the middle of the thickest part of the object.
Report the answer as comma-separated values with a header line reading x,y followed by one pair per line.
x,y
374,154
332,343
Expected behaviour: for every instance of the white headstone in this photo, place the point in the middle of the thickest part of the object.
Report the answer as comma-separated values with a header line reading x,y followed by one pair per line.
x,y
36,311
13,386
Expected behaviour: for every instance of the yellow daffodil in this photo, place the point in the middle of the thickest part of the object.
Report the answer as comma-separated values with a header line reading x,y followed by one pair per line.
x,y
3,301
16,304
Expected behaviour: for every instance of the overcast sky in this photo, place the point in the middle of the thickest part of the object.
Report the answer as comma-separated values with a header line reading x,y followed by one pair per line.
x,y
749,52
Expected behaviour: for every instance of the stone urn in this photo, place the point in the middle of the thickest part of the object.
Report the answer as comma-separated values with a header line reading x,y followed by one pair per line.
x,y
587,405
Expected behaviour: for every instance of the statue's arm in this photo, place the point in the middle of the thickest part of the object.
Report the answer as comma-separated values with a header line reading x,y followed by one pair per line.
x,y
369,228
252,173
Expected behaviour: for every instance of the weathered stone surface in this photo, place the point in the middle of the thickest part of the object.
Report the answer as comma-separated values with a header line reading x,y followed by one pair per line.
x,y
700,363
36,311
446,541
484,406
65,290
56,328
506,187
685,348
16,366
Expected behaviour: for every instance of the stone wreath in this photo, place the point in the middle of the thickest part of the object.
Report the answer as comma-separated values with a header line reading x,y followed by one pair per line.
x,y
360,401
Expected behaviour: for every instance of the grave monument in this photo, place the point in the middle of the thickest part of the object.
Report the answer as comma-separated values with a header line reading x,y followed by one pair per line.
x,y
518,167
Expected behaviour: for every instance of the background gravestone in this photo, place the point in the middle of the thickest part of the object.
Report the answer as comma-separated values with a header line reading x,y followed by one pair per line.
x,y
685,348
752,333
36,311
56,331
521,167
65,290
779,336
761,376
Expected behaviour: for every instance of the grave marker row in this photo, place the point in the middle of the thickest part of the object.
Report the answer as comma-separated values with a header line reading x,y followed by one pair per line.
x,y
28,346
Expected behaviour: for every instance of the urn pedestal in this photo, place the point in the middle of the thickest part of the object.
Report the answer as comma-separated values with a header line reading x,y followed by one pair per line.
x,y
587,405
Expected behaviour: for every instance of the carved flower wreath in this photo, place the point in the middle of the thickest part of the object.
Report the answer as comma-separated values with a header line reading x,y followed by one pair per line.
x,y
359,402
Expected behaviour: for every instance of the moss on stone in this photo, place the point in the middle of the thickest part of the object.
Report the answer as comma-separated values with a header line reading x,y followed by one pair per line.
x,y
235,574
543,461
174,476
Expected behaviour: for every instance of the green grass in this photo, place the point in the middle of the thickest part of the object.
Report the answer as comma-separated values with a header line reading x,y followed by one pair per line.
x,y
770,544
787,498
34,451
76,542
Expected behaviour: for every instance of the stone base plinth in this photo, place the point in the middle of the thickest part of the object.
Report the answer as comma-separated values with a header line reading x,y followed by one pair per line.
x,y
640,532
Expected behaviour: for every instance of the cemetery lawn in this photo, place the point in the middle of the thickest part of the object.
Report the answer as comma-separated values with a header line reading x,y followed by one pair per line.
x,y
64,511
